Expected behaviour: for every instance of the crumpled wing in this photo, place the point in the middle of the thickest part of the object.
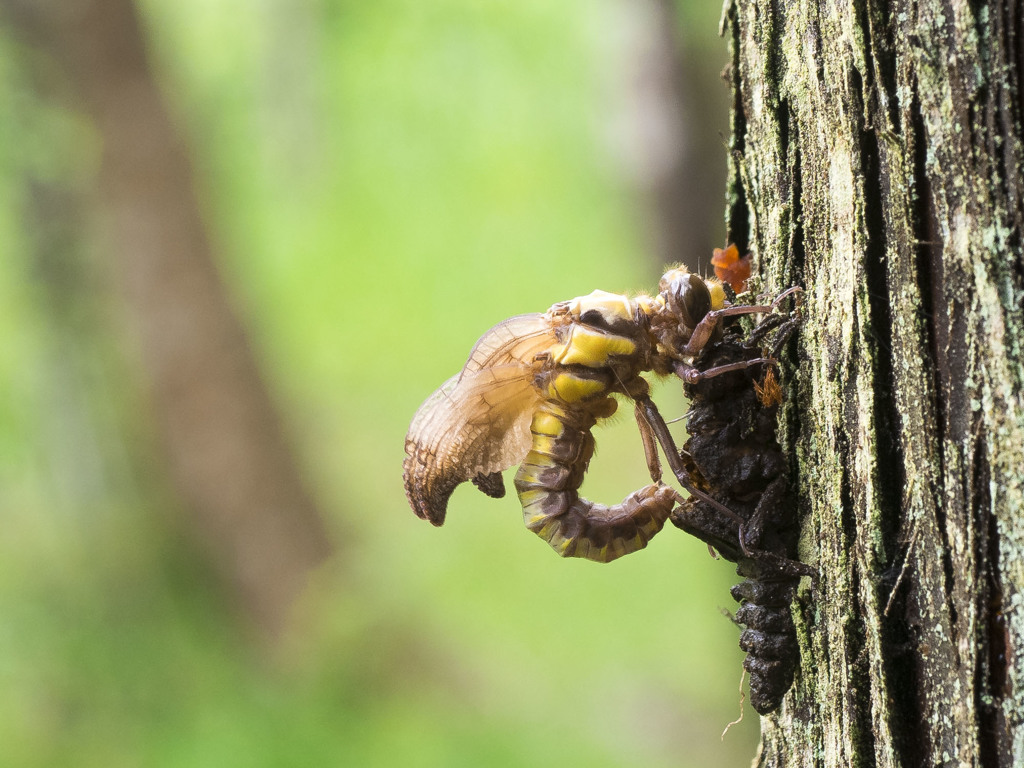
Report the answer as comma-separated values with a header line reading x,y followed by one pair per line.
x,y
478,423
516,341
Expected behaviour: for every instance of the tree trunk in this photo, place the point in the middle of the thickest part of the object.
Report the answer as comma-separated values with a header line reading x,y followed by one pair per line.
x,y
876,161
227,454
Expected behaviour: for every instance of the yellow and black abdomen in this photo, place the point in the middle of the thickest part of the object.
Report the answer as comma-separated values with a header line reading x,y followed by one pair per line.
x,y
548,483
590,364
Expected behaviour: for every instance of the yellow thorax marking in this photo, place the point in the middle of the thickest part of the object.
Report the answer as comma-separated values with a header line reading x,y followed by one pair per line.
x,y
611,305
571,389
591,347
717,294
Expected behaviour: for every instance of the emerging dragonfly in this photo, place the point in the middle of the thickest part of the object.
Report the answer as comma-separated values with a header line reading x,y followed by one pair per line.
x,y
533,388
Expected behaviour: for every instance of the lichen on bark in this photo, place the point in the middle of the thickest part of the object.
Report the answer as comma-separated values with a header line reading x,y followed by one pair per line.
x,y
876,161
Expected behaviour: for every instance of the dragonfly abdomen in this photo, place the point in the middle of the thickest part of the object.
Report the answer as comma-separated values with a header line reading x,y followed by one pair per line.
x,y
548,483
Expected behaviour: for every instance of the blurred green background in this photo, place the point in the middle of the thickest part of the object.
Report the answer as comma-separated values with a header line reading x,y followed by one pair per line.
x,y
381,183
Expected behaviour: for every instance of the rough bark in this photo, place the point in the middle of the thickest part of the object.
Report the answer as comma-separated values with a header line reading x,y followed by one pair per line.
x,y
227,455
876,161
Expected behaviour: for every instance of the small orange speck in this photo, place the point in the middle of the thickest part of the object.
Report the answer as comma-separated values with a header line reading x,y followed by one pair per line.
x,y
731,268
768,391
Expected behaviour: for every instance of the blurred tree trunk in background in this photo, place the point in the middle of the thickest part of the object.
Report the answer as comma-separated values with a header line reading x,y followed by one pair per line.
x,y
675,121
227,455
877,162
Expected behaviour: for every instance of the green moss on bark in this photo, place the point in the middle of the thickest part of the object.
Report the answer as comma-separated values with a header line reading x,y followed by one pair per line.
x,y
878,166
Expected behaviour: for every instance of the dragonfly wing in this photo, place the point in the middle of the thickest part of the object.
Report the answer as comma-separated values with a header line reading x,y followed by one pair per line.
x,y
478,423
475,425
516,341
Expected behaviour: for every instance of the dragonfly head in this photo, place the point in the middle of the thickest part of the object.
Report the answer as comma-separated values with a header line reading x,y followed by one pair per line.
x,y
688,297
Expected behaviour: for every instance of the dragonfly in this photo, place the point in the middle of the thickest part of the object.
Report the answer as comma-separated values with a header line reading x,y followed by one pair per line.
x,y
535,386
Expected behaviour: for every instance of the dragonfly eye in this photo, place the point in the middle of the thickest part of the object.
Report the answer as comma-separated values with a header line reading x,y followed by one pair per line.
x,y
688,298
